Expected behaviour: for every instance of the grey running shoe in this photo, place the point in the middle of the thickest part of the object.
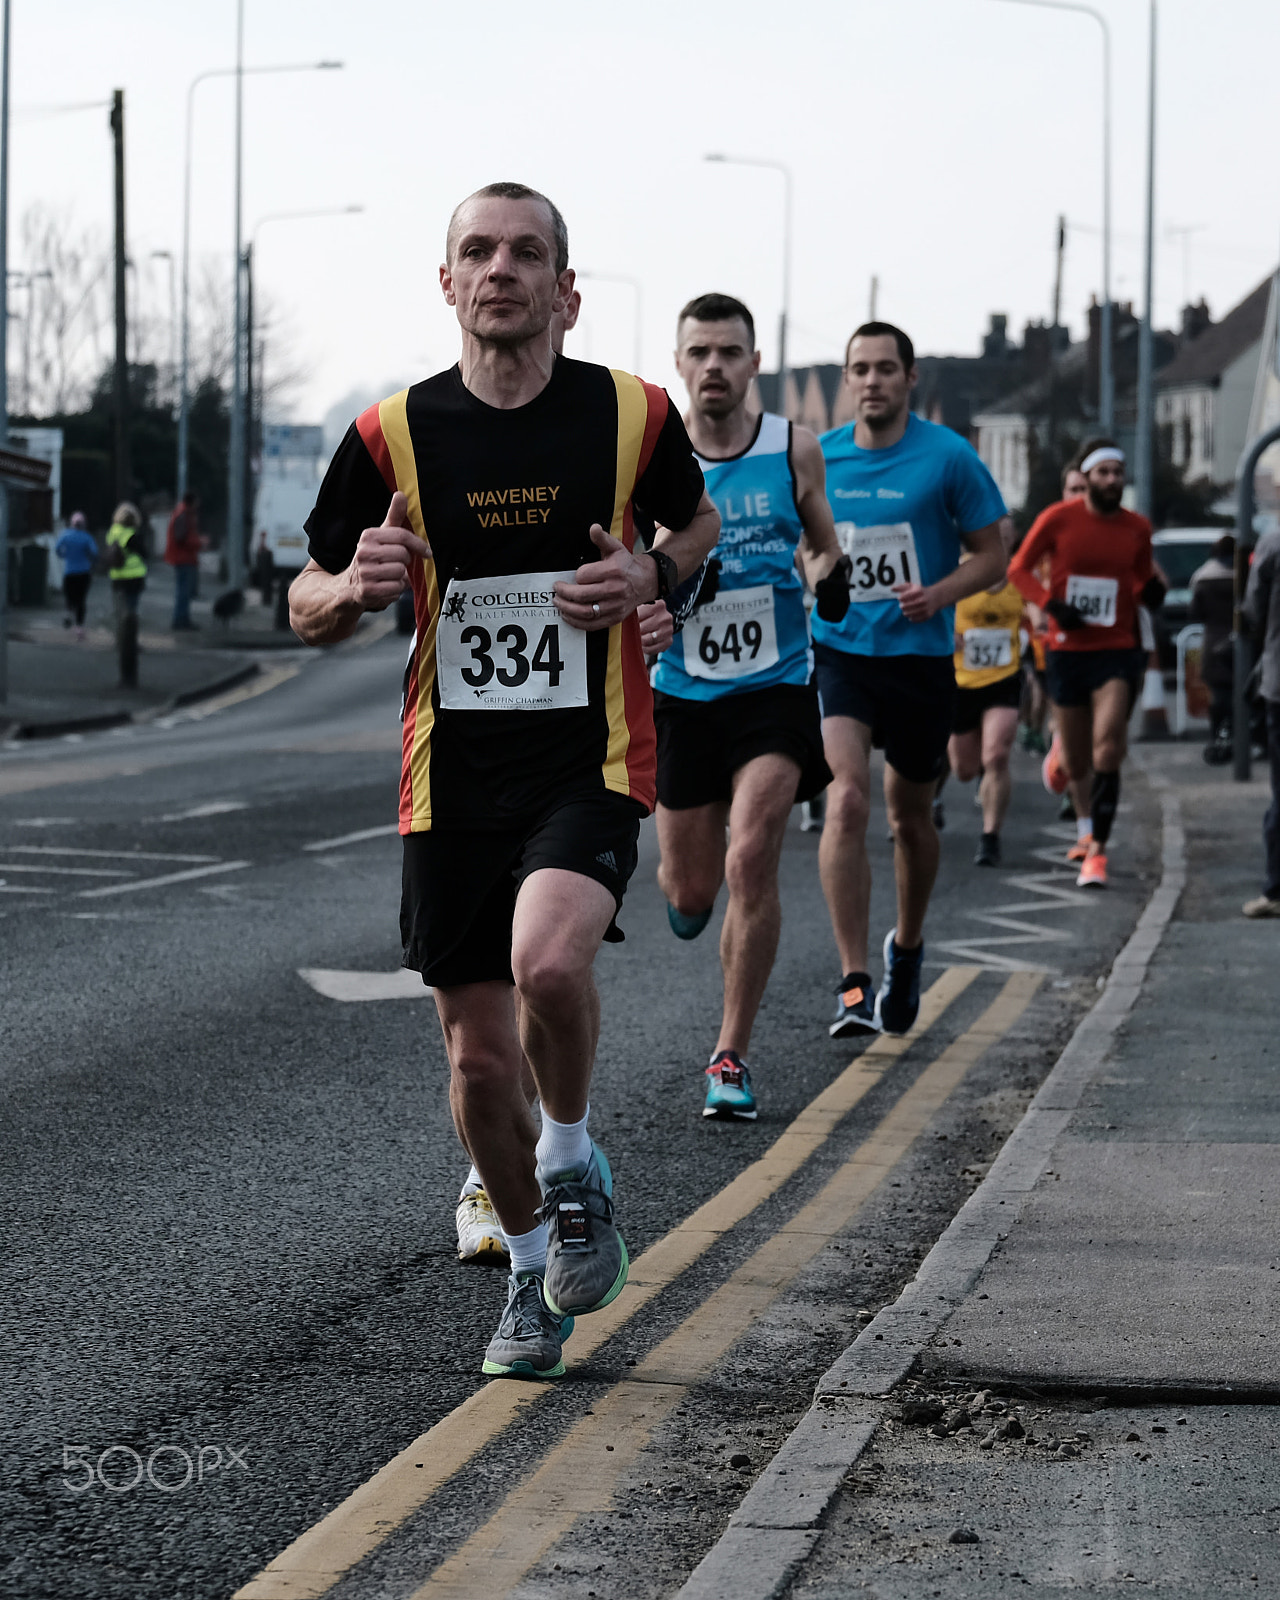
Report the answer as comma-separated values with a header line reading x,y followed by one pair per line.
x,y
586,1258
527,1343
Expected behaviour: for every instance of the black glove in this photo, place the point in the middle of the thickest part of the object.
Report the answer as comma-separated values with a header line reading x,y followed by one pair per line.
x,y
832,592
1065,615
1153,593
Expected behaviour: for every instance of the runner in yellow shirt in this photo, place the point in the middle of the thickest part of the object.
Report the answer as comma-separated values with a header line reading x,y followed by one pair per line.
x,y
988,664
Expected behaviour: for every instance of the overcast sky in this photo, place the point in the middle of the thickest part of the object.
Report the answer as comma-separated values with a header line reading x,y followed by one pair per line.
x,y
932,142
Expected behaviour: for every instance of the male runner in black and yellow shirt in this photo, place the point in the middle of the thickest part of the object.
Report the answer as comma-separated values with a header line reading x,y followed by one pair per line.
x,y
503,491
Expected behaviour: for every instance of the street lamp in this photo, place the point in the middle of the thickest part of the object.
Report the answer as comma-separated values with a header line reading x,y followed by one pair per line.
x,y
775,166
4,347
1106,374
184,397
1142,474
634,285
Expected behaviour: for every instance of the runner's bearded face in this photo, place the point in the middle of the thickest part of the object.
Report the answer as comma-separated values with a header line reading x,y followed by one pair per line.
x,y
716,363
501,275
1106,486
879,385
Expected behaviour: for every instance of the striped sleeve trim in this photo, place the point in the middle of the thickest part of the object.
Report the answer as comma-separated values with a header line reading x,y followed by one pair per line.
x,y
369,427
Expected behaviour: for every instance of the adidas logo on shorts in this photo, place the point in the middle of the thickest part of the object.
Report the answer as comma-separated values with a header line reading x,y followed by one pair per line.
x,y
608,859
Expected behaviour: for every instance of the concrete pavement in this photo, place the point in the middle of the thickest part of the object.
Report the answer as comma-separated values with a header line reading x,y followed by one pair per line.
x,y
1112,1290
59,684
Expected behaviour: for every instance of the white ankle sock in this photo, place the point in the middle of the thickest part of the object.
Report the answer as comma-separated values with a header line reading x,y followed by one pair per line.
x,y
563,1145
1084,827
528,1250
471,1183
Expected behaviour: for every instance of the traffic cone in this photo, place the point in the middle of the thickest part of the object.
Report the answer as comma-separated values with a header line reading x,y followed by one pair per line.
x,y
1155,719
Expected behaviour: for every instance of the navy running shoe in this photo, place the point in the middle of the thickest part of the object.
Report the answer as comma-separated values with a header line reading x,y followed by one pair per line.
x,y
898,1002
855,1008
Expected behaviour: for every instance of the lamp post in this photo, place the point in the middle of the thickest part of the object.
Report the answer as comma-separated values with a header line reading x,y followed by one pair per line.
x,y
4,347
775,166
184,380
634,285
1142,473
1106,372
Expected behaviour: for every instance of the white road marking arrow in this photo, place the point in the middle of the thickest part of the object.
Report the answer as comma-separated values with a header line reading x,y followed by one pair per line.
x,y
399,985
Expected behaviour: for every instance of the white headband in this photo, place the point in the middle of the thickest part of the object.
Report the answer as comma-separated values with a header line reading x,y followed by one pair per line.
x,y
1095,458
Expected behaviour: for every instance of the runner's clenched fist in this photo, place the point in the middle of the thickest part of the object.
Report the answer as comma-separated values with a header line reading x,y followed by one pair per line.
x,y
380,567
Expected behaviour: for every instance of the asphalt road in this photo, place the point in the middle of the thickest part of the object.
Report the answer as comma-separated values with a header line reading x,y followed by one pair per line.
x,y
229,1198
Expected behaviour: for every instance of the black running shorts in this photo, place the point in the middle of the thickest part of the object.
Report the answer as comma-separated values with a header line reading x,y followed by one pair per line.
x,y
908,702
702,743
973,704
1073,675
459,886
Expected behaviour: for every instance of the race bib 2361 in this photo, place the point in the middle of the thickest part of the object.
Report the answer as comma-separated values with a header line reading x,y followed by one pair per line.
x,y
881,557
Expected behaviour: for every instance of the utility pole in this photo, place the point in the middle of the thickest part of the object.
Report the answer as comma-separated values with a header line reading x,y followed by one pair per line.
x,y
1143,477
235,461
875,297
1057,279
4,348
246,509
120,386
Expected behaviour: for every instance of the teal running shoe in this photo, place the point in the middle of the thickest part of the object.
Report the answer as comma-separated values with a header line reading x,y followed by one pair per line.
x,y
729,1095
529,1337
587,1261
687,927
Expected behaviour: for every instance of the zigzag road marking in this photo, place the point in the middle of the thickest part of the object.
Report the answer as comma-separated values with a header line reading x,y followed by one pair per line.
x,y
1054,896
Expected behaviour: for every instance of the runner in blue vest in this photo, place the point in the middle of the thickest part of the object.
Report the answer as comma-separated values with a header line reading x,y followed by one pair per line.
x,y
739,740
906,495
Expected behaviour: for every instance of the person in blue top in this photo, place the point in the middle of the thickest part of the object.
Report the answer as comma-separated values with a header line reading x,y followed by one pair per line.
x,y
77,550
906,496
739,739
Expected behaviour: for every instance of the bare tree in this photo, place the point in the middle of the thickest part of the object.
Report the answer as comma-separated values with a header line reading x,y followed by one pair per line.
x,y
63,347
59,357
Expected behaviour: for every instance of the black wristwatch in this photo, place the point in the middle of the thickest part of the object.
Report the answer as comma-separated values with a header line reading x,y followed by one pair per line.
x,y
668,573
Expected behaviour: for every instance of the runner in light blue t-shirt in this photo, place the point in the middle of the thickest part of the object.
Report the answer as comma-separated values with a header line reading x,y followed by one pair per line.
x,y
739,737
906,495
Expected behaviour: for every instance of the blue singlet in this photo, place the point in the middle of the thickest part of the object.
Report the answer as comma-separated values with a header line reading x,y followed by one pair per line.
x,y
754,634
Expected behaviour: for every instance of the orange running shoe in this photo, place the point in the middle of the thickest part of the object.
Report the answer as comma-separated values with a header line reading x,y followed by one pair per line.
x,y
1093,872
1080,849
1052,772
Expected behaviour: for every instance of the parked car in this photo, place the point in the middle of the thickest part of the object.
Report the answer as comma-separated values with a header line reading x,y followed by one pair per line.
x,y
1179,552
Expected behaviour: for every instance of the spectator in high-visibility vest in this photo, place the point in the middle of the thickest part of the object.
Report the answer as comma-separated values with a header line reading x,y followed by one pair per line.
x,y
128,567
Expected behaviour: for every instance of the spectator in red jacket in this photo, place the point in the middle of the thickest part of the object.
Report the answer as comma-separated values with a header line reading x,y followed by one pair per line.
x,y
182,547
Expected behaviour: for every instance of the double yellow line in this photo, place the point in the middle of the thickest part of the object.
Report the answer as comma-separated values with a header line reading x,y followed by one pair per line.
x,y
579,1475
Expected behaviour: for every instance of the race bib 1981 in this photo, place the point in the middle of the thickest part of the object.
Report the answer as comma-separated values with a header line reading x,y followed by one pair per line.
x,y
987,647
882,557
1094,599
501,645
732,636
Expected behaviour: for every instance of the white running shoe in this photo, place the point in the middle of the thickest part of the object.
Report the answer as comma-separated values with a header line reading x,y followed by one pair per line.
x,y
479,1231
